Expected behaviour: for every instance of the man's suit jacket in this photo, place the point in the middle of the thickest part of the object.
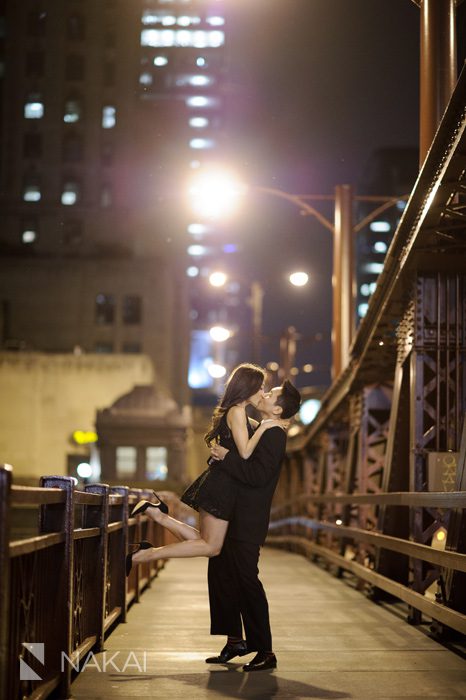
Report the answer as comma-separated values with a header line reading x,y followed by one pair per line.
x,y
256,479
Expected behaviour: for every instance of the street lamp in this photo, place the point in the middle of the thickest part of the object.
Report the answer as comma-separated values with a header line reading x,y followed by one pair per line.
x,y
343,231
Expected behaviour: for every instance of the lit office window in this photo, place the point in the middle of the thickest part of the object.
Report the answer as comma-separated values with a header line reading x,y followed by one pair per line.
x,y
188,20
156,463
196,250
126,461
362,309
201,143
34,107
108,117
216,21
373,267
145,79
31,192
198,38
73,110
29,232
194,80
104,309
160,61
197,229
198,122
192,271
70,193
380,226
365,290
201,62
132,310
380,247
202,101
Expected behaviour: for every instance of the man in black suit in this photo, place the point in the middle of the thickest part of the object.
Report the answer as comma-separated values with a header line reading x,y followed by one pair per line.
x,y
236,594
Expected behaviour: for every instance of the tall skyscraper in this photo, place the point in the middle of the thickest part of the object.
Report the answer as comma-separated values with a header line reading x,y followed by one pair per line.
x,y
391,172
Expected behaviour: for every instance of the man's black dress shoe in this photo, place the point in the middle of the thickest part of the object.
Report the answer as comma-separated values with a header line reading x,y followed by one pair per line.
x,y
261,662
229,652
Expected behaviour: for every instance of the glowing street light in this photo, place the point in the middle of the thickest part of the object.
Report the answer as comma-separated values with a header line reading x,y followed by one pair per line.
x,y
299,279
219,334
215,194
217,279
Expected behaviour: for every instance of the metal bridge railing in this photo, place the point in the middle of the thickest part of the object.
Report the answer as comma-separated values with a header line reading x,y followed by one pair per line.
x,y
62,576
376,485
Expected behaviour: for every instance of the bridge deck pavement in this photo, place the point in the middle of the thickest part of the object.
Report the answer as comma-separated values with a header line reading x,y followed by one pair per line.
x,y
331,642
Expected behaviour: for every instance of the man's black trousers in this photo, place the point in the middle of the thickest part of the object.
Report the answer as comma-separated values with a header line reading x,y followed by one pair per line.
x,y
236,594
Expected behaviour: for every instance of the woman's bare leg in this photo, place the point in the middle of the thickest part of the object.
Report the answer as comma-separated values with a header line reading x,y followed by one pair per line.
x,y
181,530
209,544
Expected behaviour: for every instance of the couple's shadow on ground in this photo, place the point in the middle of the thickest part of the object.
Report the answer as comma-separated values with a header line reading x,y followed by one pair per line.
x,y
231,682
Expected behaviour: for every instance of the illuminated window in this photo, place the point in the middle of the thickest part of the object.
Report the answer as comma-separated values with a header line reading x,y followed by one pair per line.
x,y
34,107
126,461
108,117
380,247
362,309
201,62
216,21
196,229
145,79
70,193
202,101
156,463
73,110
201,143
29,232
104,309
198,122
198,38
132,310
31,192
379,226
160,61
192,271
373,267
365,290
197,250
194,81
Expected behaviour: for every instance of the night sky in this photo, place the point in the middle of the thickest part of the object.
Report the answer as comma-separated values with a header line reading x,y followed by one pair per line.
x,y
314,88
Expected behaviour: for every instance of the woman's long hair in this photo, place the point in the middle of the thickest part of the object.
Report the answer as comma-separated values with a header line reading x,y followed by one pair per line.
x,y
244,381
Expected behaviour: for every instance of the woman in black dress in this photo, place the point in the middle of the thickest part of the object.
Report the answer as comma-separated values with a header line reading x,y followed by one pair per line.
x,y
213,493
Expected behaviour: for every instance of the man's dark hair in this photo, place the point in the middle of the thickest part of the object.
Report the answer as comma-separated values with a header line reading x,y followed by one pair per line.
x,y
289,400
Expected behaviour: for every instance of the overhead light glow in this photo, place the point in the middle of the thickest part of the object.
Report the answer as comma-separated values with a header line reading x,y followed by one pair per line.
x,y
299,279
215,194
84,470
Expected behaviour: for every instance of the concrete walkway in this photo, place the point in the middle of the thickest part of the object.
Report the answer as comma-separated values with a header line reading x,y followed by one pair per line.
x,y
331,642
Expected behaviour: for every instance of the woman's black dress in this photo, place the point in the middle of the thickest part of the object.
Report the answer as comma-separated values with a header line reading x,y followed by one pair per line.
x,y
214,490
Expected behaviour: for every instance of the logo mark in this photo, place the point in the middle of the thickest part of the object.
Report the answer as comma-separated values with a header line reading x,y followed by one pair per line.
x,y
26,673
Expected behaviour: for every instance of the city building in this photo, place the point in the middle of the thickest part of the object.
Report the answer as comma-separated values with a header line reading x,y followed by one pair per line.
x,y
391,172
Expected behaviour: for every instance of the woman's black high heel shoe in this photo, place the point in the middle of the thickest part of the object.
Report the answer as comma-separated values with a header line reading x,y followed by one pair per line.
x,y
142,506
129,557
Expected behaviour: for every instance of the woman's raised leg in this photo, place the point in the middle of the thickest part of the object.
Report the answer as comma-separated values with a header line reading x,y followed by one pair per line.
x,y
209,544
181,530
